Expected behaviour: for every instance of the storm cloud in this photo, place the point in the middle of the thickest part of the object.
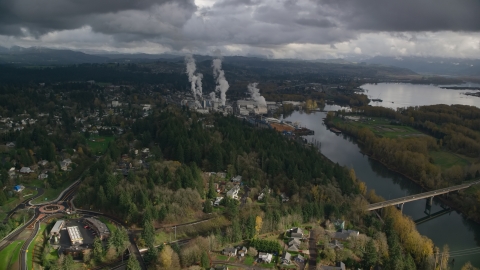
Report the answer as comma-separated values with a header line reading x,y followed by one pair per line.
x,y
274,28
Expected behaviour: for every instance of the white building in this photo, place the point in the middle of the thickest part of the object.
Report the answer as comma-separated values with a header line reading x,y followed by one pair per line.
x,y
75,235
57,227
233,193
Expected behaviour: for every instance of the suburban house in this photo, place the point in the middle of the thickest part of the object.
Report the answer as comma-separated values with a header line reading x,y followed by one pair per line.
x,y
237,179
217,201
296,233
265,257
63,166
261,196
67,161
335,245
299,258
287,258
26,170
294,248
294,241
339,266
43,162
230,252
42,176
284,197
344,235
11,144
233,193
242,251
339,224
18,188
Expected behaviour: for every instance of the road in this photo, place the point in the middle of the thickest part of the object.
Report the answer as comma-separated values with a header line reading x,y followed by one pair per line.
x,y
23,204
131,235
420,196
239,265
312,249
24,250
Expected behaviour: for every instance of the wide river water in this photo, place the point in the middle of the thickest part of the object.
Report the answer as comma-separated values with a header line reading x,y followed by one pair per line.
x,y
395,95
461,235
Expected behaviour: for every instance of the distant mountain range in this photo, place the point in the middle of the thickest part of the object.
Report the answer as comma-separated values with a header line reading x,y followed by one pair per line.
x,y
47,56
431,65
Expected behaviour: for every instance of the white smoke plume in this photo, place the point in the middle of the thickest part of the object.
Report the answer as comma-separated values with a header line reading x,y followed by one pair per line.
x,y
219,75
194,79
212,96
255,94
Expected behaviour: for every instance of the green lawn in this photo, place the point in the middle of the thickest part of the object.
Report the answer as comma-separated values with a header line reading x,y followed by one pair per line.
x,y
9,255
447,159
98,145
53,255
222,257
249,260
382,127
52,194
31,247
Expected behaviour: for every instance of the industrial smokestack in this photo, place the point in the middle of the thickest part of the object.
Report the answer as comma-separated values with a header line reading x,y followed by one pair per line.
x,y
219,75
255,94
194,79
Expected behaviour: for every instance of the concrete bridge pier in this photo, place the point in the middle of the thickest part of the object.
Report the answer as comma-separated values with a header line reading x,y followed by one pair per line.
x,y
430,201
400,206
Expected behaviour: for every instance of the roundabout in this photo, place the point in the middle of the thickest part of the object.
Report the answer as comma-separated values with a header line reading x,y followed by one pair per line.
x,y
51,208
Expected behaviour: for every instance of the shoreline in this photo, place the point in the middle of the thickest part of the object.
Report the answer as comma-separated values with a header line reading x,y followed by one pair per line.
x,y
449,203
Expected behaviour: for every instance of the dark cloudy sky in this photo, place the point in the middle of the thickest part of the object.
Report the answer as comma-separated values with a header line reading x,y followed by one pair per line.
x,y
307,29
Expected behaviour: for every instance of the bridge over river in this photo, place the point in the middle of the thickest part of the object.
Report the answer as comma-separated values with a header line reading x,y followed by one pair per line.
x,y
426,195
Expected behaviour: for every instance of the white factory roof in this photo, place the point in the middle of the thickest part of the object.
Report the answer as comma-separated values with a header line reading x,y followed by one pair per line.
x,y
74,234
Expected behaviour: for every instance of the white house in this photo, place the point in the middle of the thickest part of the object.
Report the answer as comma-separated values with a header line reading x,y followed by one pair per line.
x,y
42,176
265,257
233,193
25,170
43,162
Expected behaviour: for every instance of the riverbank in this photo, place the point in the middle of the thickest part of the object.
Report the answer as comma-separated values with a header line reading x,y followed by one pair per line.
x,y
450,203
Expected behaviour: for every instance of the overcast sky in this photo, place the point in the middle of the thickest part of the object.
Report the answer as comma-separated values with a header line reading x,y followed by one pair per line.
x,y
306,29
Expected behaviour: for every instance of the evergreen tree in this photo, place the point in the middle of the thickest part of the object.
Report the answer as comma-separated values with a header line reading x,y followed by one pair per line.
x,y
204,260
211,190
97,249
133,264
370,257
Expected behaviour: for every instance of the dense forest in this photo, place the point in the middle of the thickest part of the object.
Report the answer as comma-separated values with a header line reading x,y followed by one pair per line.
x,y
174,189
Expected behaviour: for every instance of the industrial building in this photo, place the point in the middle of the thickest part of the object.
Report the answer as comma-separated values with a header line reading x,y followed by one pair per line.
x,y
75,235
248,107
57,227
99,227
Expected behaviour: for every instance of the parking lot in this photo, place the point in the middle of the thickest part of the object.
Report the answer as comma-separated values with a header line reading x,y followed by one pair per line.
x,y
87,233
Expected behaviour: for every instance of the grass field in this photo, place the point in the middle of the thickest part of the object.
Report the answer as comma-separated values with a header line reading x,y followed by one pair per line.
x,y
14,201
249,260
98,144
38,240
447,159
51,194
383,127
9,255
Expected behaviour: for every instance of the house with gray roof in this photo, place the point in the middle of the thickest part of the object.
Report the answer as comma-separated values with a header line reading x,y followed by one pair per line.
x,y
287,258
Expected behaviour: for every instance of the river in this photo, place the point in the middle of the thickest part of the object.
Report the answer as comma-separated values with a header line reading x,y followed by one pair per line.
x,y
461,235
395,95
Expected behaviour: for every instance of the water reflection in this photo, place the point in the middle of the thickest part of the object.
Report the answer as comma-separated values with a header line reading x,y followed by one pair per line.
x,y
397,95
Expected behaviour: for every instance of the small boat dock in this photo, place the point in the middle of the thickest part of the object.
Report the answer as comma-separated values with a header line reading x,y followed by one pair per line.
x,y
334,130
